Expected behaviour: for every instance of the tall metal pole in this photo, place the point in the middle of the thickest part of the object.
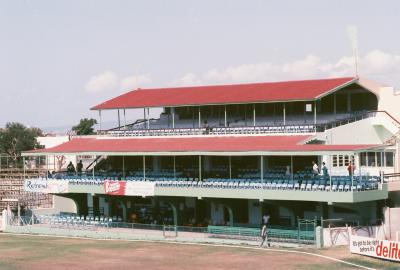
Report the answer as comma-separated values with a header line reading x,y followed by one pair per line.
x,y
315,115
124,120
284,115
148,118
291,167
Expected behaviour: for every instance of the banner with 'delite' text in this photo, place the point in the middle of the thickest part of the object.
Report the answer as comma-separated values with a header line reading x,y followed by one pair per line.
x,y
382,249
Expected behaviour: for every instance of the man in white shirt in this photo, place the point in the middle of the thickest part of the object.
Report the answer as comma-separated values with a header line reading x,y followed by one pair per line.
x,y
315,169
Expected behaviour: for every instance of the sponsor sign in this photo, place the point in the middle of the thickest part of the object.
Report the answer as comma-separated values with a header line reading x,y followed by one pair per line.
x,y
382,249
114,187
46,186
134,188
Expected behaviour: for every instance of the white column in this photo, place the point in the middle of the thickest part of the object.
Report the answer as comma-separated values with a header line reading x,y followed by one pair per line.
x,y
119,120
199,117
254,115
291,167
148,118
199,168
173,117
230,167
284,114
124,120
123,167
100,118
315,115
262,168
144,116
144,168
175,167
225,116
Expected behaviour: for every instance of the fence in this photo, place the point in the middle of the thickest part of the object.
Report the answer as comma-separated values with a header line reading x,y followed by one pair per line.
x,y
304,234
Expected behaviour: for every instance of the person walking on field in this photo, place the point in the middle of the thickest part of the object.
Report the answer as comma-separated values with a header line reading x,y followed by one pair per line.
x,y
264,231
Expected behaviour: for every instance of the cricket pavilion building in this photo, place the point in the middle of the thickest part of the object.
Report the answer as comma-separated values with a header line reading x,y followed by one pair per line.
x,y
228,154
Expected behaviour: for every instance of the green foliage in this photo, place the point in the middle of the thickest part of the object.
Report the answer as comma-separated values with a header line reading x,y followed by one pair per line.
x,y
15,138
85,126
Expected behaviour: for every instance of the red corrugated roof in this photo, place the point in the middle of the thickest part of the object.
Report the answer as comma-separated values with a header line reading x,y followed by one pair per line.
x,y
225,94
196,144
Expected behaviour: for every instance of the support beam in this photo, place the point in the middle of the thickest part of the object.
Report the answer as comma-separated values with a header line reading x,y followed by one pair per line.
x,y
199,117
315,115
119,120
262,168
200,168
174,167
148,118
284,115
144,168
254,115
124,120
230,167
123,167
100,119
173,117
291,167
225,121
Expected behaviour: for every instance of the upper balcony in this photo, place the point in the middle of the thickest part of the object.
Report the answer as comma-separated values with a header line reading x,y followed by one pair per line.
x,y
262,108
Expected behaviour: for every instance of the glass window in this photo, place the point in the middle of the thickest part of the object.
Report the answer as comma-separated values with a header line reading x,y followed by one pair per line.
x,y
389,159
371,159
363,159
334,161
340,160
379,159
346,160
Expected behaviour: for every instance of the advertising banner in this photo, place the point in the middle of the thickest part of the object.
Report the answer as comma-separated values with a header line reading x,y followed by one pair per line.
x,y
114,187
382,249
46,186
130,188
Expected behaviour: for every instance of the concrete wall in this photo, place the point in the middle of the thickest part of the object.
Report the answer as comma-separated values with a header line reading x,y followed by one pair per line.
x,y
255,214
392,222
340,236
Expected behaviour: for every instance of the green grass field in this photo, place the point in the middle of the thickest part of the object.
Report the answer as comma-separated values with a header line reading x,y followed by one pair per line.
x,y
34,252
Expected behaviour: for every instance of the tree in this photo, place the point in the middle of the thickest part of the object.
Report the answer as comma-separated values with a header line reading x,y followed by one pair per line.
x,y
15,138
85,126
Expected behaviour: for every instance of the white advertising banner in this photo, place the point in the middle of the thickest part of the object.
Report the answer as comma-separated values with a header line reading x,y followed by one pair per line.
x,y
46,186
139,188
382,249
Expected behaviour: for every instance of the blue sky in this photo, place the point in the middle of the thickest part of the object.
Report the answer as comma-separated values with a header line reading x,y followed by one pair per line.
x,y
59,58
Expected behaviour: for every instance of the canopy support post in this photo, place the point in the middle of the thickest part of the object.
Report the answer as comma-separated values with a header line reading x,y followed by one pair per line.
x,y
173,117
124,120
199,117
225,121
315,115
291,168
230,167
254,115
119,121
123,167
100,120
200,179
174,167
144,168
262,168
284,116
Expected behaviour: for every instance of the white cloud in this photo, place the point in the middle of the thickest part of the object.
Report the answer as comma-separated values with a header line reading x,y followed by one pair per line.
x,y
105,81
375,64
109,81
133,82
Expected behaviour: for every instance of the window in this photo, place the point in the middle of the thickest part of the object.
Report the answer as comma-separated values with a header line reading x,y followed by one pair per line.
x,y
379,159
371,162
341,160
334,161
389,159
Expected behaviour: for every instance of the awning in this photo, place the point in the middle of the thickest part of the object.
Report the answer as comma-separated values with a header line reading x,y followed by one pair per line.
x,y
201,145
305,90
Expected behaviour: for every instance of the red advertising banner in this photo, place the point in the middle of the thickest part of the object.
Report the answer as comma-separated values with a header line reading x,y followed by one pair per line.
x,y
114,187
